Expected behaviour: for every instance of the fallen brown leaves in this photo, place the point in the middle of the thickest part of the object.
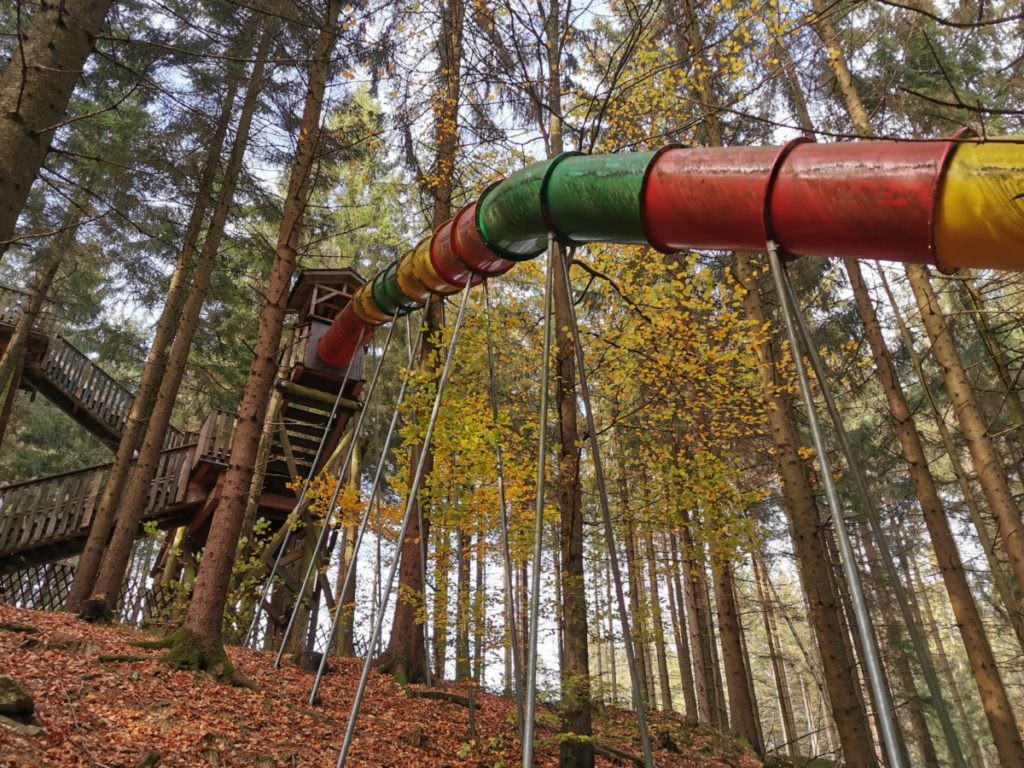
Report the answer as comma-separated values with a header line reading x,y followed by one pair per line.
x,y
111,713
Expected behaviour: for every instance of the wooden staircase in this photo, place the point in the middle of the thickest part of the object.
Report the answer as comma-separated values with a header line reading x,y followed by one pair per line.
x,y
69,379
46,519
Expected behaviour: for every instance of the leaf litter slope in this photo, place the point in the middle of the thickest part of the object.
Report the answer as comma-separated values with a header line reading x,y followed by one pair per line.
x,y
104,702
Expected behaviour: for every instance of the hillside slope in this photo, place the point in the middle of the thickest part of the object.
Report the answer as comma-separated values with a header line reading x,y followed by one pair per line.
x,y
101,711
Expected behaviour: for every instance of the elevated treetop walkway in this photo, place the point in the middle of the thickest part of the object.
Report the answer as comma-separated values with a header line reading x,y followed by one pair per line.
x,y
48,518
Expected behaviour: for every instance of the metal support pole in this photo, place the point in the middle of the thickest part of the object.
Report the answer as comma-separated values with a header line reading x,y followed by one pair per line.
x,y
414,488
298,506
609,531
499,460
872,661
530,698
870,510
342,472
350,572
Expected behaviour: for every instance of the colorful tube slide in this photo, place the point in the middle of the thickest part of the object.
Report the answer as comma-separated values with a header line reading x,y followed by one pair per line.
x,y
950,204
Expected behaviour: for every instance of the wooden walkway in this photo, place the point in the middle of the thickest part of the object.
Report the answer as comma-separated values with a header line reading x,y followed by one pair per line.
x,y
67,377
48,518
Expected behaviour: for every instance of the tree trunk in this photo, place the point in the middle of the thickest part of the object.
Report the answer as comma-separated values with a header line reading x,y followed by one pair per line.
x,y
346,603
658,626
611,632
1004,581
979,652
13,358
697,623
35,88
636,615
789,732
898,661
742,718
480,610
406,647
464,552
679,629
919,598
202,626
133,502
153,370
575,668
809,547
442,569
987,462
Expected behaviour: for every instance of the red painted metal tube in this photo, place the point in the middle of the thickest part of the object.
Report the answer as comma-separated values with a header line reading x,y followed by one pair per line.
x,y
471,248
347,333
447,262
706,197
865,200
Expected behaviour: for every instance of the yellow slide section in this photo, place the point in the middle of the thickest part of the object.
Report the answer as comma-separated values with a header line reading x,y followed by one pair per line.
x,y
980,217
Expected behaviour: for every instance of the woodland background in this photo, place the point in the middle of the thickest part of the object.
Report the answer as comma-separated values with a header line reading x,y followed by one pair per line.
x,y
426,103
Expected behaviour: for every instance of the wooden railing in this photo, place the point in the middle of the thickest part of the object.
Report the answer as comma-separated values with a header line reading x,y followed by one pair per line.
x,y
295,351
215,437
47,510
11,302
78,377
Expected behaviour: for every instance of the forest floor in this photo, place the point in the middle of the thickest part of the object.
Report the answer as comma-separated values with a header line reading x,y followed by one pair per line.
x,y
101,701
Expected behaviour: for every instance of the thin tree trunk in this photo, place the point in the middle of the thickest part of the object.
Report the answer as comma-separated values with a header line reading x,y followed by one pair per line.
x,y
813,563
898,659
406,653
987,462
658,626
480,610
679,628
153,370
203,622
133,502
638,619
442,568
1004,581
35,88
979,652
697,623
611,632
812,729
13,358
347,601
742,717
1014,431
556,572
789,732
462,661
575,668
919,596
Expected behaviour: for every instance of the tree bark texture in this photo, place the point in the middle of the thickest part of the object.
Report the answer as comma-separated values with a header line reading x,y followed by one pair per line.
x,y
810,548
210,592
153,370
407,643
976,645
742,716
133,502
35,88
